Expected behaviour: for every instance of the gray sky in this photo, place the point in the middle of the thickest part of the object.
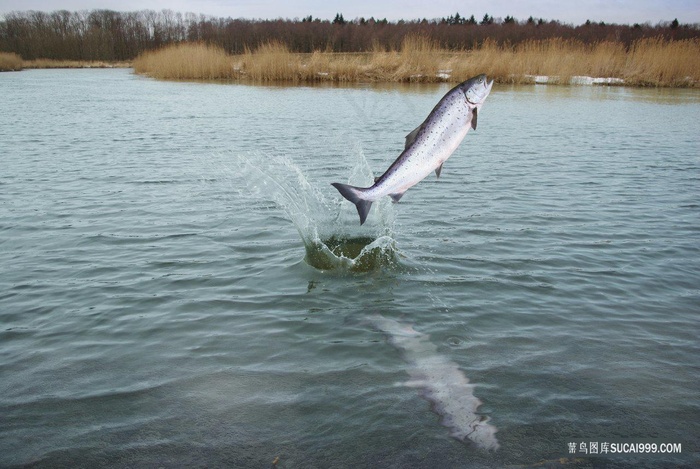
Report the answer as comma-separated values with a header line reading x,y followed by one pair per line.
x,y
568,11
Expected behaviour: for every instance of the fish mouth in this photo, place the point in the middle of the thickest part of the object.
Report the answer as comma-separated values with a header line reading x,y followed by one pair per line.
x,y
480,99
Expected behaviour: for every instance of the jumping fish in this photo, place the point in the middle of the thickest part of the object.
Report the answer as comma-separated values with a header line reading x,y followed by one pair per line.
x,y
442,383
427,147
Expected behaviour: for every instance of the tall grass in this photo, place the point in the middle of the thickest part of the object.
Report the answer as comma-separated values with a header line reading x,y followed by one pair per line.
x,y
53,63
557,58
270,62
273,61
419,57
655,62
10,62
186,61
648,62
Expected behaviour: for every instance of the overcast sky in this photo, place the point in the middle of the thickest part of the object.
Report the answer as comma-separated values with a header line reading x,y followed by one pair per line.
x,y
567,11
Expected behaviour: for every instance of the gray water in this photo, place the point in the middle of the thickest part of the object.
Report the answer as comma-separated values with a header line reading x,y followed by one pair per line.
x,y
181,286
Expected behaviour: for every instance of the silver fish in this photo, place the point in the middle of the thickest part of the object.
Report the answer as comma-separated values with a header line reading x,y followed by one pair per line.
x,y
427,147
442,383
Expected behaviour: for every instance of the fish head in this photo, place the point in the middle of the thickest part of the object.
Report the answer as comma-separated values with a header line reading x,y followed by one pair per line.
x,y
476,89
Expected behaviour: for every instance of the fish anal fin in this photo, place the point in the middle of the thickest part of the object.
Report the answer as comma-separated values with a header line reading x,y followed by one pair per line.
x,y
438,170
474,114
396,197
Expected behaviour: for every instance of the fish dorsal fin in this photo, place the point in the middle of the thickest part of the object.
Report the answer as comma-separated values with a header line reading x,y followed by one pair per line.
x,y
438,170
410,138
474,113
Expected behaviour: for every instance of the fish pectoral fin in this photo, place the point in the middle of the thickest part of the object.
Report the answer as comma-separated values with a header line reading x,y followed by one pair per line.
x,y
411,137
474,114
438,170
396,197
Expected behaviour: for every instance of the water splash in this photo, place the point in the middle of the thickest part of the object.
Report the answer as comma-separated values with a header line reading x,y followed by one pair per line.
x,y
357,254
327,227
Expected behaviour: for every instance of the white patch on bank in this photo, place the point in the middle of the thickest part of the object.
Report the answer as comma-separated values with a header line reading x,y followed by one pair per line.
x,y
446,74
441,382
575,80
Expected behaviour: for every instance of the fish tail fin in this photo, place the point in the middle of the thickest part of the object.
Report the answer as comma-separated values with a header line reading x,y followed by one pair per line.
x,y
356,196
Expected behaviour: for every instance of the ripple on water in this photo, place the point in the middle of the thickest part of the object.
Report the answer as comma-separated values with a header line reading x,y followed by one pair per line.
x,y
156,307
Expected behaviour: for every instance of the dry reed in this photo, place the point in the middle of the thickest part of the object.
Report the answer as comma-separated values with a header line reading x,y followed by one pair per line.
x,y
655,62
53,63
648,62
186,61
419,57
10,62
270,62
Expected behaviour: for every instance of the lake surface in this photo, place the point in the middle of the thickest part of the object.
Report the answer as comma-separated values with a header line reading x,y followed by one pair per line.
x,y
181,286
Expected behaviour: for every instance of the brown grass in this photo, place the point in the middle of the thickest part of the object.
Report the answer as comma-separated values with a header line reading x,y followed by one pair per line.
x,y
185,61
270,62
10,62
649,62
655,62
52,63
557,58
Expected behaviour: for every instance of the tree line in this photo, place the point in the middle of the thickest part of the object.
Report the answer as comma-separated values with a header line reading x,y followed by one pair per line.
x,y
108,35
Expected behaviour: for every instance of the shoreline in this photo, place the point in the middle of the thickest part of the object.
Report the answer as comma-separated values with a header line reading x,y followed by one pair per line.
x,y
442,77
68,64
10,62
273,63
649,63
